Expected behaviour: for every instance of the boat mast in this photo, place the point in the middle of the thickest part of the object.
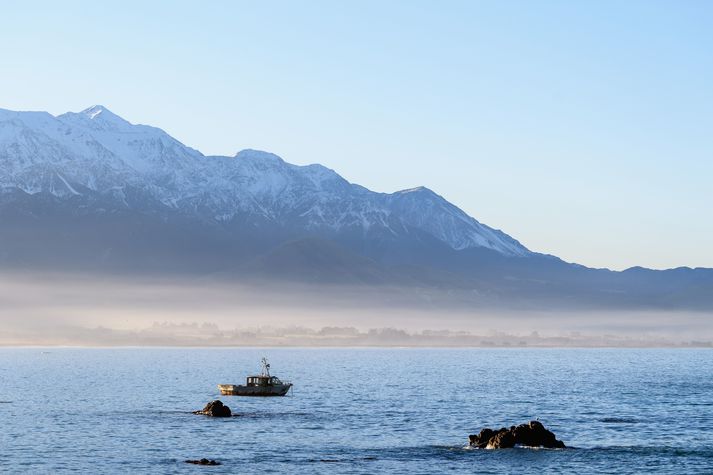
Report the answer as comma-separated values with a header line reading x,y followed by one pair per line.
x,y
265,368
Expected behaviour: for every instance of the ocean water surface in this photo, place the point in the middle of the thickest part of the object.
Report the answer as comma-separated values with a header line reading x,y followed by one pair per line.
x,y
355,410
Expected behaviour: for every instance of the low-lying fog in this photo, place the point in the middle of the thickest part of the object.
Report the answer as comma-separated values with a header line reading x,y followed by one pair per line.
x,y
58,309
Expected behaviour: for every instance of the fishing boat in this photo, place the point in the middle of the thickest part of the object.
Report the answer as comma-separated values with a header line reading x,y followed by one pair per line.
x,y
259,385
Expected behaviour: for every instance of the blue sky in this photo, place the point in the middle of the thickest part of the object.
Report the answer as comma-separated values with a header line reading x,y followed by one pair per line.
x,y
583,129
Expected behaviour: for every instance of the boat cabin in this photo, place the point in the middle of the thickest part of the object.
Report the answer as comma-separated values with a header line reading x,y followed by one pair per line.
x,y
263,381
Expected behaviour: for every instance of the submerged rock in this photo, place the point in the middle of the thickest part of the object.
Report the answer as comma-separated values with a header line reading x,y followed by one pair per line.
x,y
215,409
533,434
203,462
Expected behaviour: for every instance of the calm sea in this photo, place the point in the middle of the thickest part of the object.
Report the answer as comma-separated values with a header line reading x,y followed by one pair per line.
x,y
355,410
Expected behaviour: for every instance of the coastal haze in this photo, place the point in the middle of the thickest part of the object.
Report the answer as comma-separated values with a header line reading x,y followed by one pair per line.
x,y
100,310
116,233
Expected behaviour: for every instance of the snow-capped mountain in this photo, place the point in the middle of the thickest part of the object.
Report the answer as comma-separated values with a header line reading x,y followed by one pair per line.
x,y
90,192
97,155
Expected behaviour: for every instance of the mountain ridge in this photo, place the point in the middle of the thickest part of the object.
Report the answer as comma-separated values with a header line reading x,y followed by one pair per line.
x,y
97,150
94,192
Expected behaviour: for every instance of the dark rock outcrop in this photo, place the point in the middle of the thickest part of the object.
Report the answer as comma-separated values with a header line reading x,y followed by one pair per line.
x,y
533,434
203,462
215,409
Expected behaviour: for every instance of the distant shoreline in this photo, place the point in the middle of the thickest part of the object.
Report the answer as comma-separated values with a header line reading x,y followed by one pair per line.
x,y
365,347
375,338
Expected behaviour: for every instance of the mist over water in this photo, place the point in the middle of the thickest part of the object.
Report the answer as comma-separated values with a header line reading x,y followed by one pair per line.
x,y
98,310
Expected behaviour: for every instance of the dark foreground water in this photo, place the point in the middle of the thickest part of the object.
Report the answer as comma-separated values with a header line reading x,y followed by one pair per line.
x,y
355,410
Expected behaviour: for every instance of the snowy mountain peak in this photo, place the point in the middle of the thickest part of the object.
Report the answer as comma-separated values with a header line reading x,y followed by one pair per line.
x,y
97,118
251,154
99,113
418,189
97,156
94,111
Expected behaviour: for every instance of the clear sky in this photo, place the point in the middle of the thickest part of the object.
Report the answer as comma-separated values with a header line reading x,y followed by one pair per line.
x,y
582,128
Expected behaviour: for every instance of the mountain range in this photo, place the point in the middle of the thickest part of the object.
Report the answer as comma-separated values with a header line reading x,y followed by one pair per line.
x,y
92,192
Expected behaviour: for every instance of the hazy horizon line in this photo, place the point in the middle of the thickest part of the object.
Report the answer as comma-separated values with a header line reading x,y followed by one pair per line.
x,y
210,335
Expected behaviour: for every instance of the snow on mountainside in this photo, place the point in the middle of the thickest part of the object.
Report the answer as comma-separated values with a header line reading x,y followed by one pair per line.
x,y
97,153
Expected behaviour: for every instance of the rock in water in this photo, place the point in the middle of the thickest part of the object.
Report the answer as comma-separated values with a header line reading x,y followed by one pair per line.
x,y
215,409
203,462
533,434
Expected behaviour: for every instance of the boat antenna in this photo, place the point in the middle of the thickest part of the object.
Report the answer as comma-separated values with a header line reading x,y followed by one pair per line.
x,y
265,367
